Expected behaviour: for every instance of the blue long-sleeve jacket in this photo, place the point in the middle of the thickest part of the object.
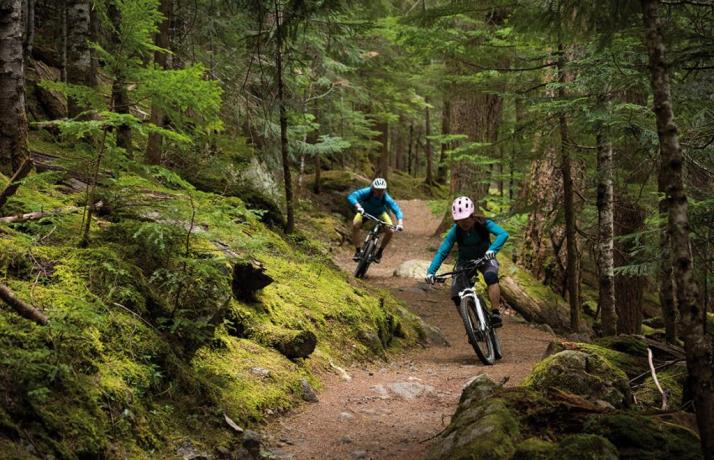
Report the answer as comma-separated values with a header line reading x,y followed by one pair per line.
x,y
472,246
373,205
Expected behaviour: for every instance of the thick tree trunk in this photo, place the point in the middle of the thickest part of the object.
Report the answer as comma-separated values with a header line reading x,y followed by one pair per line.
x,y
13,120
409,148
29,22
382,165
572,267
429,152
629,290
290,222
120,93
163,40
445,130
79,55
698,347
606,233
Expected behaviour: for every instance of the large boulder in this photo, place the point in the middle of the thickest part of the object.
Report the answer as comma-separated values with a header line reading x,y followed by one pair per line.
x,y
583,374
412,269
482,428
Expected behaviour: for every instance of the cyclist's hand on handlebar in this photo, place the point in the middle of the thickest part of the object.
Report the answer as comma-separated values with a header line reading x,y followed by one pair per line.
x,y
399,227
490,255
360,210
430,278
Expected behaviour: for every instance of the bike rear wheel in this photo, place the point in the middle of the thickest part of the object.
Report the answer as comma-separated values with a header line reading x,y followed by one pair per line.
x,y
484,342
365,259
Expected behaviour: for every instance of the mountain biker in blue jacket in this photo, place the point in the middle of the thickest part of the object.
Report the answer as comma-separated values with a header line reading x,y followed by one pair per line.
x,y
374,200
471,233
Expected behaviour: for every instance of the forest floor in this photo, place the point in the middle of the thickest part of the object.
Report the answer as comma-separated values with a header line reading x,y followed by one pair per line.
x,y
392,409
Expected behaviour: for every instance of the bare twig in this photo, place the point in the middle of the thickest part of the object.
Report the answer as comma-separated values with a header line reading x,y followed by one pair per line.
x,y
656,381
22,308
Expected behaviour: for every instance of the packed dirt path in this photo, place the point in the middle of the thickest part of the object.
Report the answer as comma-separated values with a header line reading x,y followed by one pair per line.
x,y
392,410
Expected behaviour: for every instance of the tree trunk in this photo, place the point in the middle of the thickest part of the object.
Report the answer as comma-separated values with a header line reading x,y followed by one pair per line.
x,y
163,40
606,232
429,152
79,56
316,187
13,120
382,167
290,223
697,346
409,148
572,268
120,94
666,286
629,289
29,35
445,130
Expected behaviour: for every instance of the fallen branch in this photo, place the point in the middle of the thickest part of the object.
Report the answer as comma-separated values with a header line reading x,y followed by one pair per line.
x,y
14,183
40,214
656,381
22,308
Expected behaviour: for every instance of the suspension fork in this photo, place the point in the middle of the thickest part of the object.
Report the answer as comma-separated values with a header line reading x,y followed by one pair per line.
x,y
479,308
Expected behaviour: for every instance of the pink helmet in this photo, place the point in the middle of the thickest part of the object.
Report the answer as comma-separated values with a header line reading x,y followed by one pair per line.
x,y
462,208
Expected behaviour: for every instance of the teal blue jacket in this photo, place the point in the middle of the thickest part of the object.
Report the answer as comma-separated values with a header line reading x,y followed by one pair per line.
x,y
472,244
373,205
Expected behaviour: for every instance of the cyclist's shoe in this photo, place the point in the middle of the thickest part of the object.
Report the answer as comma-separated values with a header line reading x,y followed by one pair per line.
x,y
496,320
378,256
358,254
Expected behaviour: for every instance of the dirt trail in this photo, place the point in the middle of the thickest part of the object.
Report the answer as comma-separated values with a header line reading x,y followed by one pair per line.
x,y
392,410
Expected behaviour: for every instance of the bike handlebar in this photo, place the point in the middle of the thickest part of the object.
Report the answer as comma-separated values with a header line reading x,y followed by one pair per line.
x,y
470,265
378,220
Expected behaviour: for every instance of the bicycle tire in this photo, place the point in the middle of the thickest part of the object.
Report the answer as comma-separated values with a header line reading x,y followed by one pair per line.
x,y
365,259
492,331
482,343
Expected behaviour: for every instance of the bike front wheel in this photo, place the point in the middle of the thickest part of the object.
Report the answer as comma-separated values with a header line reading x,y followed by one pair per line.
x,y
483,340
365,259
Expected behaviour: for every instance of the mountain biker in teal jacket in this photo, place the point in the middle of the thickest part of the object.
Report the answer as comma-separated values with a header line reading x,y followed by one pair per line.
x,y
472,233
374,200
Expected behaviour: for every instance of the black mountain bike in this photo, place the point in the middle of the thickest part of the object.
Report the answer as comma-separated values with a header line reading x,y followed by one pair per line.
x,y
370,245
477,319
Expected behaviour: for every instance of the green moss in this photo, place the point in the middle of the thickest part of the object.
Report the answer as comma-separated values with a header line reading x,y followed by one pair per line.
x,y
645,437
534,449
586,447
630,344
671,380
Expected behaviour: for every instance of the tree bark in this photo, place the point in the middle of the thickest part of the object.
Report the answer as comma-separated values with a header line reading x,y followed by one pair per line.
x,y
409,148
445,130
696,344
162,40
429,152
13,119
14,183
606,233
382,167
120,93
79,55
287,179
572,268
629,289
666,286
29,29
22,308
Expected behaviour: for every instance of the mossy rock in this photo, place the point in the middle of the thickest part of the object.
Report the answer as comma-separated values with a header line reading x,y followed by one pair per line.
x,y
630,344
586,447
629,364
637,436
483,427
535,449
671,380
587,375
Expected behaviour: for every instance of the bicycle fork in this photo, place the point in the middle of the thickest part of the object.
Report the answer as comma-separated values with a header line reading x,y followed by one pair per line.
x,y
479,308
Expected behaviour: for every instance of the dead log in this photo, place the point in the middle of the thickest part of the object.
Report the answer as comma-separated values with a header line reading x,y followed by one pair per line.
x,y
19,218
22,308
14,183
548,308
248,278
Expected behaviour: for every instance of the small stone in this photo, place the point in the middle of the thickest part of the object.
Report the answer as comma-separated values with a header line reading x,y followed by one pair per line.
x,y
259,371
346,439
410,390
251,441
232,424
345,417
359,454
308,393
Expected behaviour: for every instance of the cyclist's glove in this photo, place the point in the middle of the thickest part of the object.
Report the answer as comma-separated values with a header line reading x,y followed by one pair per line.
x,y
360,210
399,228
490,255
430,278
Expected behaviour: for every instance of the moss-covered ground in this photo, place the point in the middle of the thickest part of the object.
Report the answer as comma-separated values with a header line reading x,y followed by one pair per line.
x,y
146,347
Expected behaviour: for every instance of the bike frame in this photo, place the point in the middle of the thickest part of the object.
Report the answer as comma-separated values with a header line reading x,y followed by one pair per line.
x,y
471,292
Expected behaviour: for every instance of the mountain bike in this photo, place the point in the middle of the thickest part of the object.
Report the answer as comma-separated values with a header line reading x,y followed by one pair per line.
x,y
370,245
477,320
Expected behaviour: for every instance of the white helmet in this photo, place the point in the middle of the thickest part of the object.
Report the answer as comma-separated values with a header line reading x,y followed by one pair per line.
x,y
462,208
379,184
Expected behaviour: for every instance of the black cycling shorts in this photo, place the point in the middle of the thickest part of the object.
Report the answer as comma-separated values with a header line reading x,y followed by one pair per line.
x,y
467,280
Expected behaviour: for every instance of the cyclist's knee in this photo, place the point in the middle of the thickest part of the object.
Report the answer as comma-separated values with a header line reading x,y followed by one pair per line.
x,y
490,278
